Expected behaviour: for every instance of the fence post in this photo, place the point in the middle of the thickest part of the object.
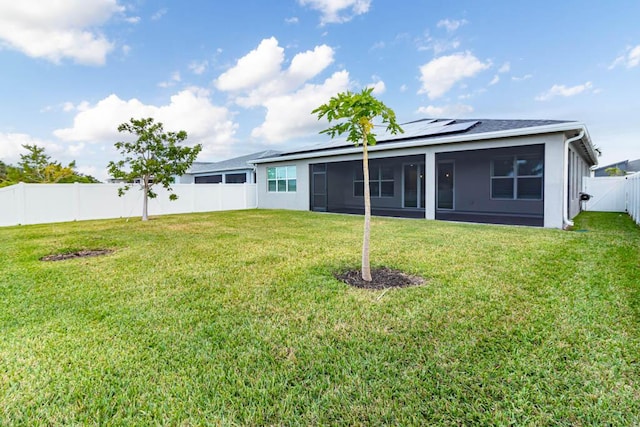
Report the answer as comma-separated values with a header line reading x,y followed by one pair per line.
x,y
21,203
76,201
193,196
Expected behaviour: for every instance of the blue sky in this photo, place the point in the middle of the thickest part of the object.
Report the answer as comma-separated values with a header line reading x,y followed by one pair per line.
x,y
243,76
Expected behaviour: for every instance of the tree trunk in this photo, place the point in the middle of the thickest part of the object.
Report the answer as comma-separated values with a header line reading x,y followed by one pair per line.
x,y
145,201
366,265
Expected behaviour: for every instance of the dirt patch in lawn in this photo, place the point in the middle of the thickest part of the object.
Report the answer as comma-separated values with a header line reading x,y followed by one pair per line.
x,y
78,254
381,278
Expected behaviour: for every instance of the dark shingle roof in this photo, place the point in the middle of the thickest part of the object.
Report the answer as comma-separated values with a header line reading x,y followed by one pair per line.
x,y
236,163
493,125
425,129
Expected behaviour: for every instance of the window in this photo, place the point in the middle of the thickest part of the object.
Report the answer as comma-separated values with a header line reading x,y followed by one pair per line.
x,y
381,182
209,179
517,177
281,179
235,178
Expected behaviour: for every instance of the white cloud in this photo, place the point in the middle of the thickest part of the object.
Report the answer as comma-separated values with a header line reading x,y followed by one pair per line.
x,y
258,66
403,88
495,80
562,90
198,67
451,25
630,59
337,11
273,81
287,94
159,14
505,68
308,64
292,20
378,86
173,79
450,111
190,110
519,79
133,19
438,46
93,171
289,115
633,58
55,30
83,106
439,75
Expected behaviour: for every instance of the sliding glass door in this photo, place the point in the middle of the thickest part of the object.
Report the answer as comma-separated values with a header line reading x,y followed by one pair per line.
x,y
413,185
445,185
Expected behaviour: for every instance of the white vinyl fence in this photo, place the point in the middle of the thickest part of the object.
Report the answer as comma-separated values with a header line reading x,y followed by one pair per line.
x,y
47,203
608,193
633,196
614,194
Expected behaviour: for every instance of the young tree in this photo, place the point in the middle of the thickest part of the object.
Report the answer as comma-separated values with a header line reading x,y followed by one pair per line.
x,y
356,113
33,163
153,158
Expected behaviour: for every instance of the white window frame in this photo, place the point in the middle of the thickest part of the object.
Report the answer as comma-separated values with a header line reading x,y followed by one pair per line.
x,y
288,174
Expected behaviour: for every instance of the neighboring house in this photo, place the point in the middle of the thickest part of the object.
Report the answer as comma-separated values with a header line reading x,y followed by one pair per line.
x,y
526,172
238,170
627,166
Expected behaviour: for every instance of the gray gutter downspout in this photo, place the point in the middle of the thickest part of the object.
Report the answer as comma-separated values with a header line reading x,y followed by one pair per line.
x,y
565,191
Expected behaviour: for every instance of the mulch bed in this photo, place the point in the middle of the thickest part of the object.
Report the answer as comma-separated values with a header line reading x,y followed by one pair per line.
x,y
381,278
79,254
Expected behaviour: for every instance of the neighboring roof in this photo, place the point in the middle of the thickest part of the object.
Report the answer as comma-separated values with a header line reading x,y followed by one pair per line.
x,y
444,131
625,165
236,163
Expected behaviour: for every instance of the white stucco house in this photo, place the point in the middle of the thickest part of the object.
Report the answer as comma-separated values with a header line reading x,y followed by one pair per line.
x,y
524,172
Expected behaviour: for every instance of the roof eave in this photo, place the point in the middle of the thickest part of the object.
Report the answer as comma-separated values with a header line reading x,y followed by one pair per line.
x,y
418,141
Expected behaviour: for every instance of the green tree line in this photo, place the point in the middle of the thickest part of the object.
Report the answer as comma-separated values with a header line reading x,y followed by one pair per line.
x,y
36,166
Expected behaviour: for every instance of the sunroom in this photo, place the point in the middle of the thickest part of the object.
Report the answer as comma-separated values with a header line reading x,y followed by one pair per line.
x,y
397,186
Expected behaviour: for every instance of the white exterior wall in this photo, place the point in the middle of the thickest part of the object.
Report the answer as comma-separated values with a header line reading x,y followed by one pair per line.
x,y
47,203
578,171
553,180
554,158
297,201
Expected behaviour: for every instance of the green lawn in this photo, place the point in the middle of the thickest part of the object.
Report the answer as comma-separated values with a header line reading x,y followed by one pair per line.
x,y
234,318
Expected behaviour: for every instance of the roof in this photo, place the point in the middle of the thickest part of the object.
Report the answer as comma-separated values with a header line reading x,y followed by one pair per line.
x,y
625,165
444,131
236,163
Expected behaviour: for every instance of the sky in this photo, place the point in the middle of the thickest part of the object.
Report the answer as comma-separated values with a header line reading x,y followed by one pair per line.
x,y
244,76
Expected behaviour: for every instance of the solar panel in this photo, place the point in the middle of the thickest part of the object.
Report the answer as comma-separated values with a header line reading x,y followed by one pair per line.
x,y
435,128
418,129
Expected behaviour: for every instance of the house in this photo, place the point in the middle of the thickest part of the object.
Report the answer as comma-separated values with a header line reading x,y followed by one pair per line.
x,y
626,166
524,172
238,170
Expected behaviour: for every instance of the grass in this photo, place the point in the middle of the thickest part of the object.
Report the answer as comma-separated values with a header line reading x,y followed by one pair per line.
x,y
234,318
